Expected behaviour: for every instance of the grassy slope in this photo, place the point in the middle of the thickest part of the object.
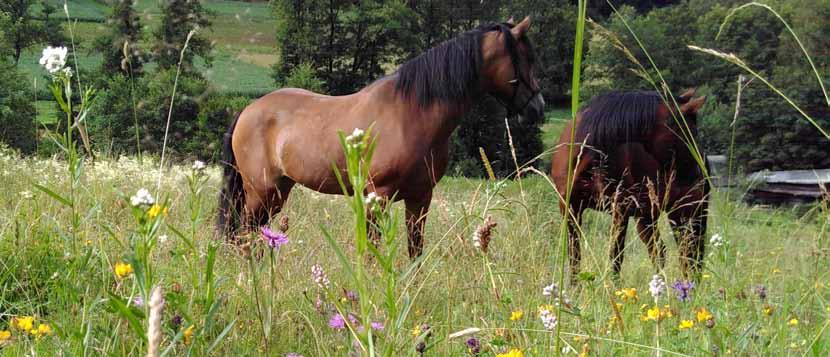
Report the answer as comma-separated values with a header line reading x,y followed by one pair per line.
x,y
453,290
243,35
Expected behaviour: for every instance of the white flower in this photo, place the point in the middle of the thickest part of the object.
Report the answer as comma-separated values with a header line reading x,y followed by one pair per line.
x,y
53,59
162,238
548,318
355,140
552,290
198,165
371,200
67,72
716,240
142,197
657,286
26,194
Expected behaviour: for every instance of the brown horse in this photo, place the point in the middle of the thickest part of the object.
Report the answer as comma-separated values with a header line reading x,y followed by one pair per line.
x,y
290,136
630,158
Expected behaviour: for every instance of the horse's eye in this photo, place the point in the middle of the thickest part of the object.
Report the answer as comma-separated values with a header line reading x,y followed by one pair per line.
x,y
513,81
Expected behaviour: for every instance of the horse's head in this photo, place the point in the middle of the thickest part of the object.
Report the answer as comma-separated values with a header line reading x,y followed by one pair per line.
x,y
689,105
508,70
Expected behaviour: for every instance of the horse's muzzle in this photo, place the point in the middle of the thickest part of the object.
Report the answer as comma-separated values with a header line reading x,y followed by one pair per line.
x,y
534,111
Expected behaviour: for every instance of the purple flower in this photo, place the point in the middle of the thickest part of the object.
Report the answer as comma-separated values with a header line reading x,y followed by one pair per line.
x,y
176,321
377,326
682,289
138,301
319,276
337,322
474,346
274,239
351,295
292,354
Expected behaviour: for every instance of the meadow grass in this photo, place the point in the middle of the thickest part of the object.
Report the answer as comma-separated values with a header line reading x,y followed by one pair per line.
x,y
784,251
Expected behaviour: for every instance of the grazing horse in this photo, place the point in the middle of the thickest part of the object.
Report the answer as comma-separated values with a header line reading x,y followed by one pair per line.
x,y
290,135
630,158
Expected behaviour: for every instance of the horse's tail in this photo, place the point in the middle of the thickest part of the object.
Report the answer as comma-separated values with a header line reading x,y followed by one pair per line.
x,y
232,196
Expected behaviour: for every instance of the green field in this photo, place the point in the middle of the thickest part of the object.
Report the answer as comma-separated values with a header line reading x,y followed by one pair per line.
x,y
64,277
242,32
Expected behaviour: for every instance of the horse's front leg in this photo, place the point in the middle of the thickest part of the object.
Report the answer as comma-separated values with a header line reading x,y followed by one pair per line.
x,y
416,217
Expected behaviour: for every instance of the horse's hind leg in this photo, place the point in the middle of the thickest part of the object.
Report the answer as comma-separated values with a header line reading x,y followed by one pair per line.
x,y
574,249
650,235
416,218
689,227
619,228
264,202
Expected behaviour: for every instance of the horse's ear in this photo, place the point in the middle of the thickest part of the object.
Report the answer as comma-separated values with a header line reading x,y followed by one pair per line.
x,y
510,21
688,93
521,28
693,105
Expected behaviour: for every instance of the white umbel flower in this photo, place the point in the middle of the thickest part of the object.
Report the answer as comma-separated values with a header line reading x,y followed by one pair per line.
x,y
716,240
142,197
53,59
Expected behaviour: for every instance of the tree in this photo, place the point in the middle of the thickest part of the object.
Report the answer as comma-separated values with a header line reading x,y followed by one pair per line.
x,y
125,30
22,31
17,114
180,17
52,29
347,44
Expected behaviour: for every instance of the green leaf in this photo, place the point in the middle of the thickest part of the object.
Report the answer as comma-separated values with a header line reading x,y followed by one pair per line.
x,y
221,337
122,309
54,195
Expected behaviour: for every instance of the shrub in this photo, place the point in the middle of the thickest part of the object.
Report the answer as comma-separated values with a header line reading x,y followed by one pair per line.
x,y
18,127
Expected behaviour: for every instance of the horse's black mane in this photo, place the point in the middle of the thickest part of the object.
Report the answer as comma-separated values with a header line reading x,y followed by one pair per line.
x,y
619,117
450,71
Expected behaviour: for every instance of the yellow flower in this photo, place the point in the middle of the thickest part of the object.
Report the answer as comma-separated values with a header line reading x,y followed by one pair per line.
x,y
512,353
776,270
155,210
666,312
793,322
686,324
123,270
188,334
416,331
703,315
42,330
627,295
768,310
516,315
652,314
5,335
24,323
706,276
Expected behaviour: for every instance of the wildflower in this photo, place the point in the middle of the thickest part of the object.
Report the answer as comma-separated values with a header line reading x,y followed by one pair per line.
x,y
23,323
67,72
198,165
5,335
548,317
473,346
355,140
274,239
188,334
176,321
351,296
372,200
142,197
554,291
516,315
627,294
793,322
155,210
652,314
683,288
768,310
53,59
716,240
686,324
123,270
481,237
512,353
138,301
42,330
319,276
703,315
26,194
706,276
761,291
657,286
776,270
377,325
337,322
163,238
284,223
292,354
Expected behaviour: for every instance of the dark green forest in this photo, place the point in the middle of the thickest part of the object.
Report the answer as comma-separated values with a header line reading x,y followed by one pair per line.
x,y
337,47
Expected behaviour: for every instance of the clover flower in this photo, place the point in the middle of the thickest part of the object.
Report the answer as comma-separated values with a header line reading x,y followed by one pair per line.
x,y
53,59
274,239
473,346
548,317
683,288
657,286
319,276
553,291
482,235
761,291
142,197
